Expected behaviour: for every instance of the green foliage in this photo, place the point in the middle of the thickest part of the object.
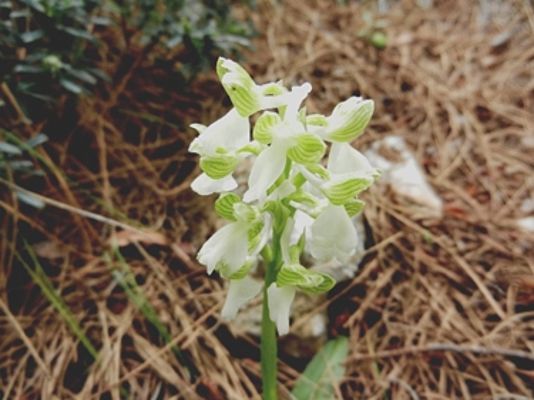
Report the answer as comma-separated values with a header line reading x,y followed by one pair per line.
x,y
126,280
15,162
49,48
44,46
203,28
324,372
54,296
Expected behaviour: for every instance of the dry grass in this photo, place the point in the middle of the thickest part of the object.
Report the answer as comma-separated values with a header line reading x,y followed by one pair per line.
x,y
441,309
457,83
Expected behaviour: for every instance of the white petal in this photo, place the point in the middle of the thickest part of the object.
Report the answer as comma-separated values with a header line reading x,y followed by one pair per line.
x,y
198,127
230,132
295,98
228,245
204,185
345,159
303,223
333,235
240,292
292,99
280,300
266,170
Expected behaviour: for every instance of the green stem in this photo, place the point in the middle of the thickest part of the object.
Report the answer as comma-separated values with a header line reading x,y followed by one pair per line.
x,y
268,352
269,345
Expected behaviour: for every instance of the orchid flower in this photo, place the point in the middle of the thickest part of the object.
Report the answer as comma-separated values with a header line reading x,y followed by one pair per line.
x,y
233,249
218,146
292,202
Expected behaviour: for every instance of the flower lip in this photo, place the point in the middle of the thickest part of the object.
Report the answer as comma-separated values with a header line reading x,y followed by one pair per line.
x,y
333,235
228,246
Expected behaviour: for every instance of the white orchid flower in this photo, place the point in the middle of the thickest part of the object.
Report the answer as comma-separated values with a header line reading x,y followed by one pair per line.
x,y
293,276
287,138
240,292
280,300
333,235
233,249
292,202
247,96
350,173
227,248
347,121
219,148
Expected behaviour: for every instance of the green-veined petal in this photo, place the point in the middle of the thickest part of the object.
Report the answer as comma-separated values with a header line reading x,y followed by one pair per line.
x,y
349,119
224,206
239,86
316,120
263,130
354,207
307,280
308,149
219,165
341,192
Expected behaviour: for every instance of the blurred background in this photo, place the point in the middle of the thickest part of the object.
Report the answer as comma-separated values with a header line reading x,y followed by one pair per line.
x,y
101,296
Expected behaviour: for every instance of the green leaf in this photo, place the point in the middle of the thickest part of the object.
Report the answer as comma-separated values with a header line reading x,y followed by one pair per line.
x,y
37,140
27,69
324,372
30,199
8,148
31,36
54,296
24,13
82,75
224,206
71,86
19,165
124,277
79,33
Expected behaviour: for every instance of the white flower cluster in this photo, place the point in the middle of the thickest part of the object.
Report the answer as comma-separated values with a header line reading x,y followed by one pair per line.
x,y
293,202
